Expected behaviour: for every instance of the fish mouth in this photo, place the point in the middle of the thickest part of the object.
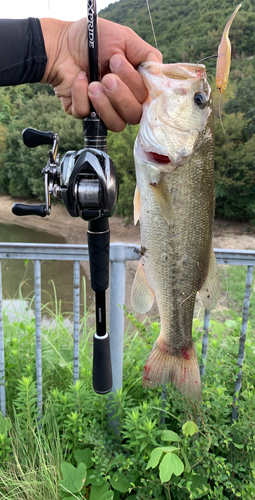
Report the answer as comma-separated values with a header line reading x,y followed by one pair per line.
x,y
157,158
151,156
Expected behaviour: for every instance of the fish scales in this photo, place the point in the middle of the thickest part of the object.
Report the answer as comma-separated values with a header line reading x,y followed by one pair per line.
x,y
176,208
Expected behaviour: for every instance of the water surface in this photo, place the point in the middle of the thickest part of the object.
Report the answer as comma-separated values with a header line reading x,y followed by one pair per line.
x,y
18,276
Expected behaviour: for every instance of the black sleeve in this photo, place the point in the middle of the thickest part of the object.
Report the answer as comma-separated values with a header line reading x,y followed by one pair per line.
x,y
22,52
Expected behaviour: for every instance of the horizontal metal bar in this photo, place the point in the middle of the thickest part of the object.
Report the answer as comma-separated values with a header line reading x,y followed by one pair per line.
x,y
119,252
235,257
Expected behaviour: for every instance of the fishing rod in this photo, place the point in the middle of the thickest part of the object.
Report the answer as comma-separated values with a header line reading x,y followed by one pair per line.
x,y
86,182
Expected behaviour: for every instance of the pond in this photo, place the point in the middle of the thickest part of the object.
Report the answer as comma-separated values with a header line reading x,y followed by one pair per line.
x,y
18,275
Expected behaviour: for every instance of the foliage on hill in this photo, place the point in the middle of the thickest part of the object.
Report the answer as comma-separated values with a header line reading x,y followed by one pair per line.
x,y
187,30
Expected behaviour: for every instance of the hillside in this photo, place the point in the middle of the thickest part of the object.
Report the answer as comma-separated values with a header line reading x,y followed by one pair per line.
x,y
187,30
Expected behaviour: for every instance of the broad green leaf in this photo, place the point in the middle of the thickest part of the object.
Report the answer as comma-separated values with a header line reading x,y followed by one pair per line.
x,y
230,323
84,456
239,446
26,261
170,436
74,478
170,464
5,424
120,483
189,428
109,495
98,491
154,458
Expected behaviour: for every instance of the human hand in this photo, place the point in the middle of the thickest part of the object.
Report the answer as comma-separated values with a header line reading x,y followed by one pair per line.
x,y
118,97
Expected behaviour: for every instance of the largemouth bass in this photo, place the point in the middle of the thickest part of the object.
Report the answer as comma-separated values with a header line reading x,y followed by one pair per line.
x,y
174,201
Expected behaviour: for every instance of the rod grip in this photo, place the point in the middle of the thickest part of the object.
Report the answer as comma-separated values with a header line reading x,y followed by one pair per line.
x,y
102,367
99,244
21,209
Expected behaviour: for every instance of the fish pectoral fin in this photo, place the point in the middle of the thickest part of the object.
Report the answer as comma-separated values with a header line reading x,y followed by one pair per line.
x,y
210,291
137,205
163,198
142,296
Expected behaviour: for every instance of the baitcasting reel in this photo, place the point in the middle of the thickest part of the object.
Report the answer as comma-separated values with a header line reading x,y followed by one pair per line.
x,y
85,180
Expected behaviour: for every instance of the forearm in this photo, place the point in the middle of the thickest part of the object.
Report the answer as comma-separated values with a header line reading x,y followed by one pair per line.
x,y
23,57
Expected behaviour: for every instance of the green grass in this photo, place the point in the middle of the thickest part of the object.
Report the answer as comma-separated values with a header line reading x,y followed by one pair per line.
x,y
75,419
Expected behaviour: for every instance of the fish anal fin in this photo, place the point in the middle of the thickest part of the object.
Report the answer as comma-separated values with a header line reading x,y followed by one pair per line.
x,y
163,198
142,296
137,205
210,291
182,370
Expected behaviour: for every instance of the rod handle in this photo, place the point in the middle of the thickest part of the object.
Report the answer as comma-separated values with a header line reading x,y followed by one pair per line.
x,y
22,209
102,367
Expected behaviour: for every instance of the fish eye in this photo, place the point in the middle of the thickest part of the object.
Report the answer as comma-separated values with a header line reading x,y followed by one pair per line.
x,y
200,99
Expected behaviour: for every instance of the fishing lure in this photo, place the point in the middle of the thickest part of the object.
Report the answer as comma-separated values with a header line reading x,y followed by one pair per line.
x,y
224,56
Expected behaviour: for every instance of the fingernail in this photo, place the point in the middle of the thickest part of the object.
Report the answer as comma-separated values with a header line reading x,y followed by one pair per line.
x,y
115,62
95,88
82,76
109,82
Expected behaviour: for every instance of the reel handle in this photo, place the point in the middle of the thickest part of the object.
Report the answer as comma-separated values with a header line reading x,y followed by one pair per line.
x,y
33,138
22,209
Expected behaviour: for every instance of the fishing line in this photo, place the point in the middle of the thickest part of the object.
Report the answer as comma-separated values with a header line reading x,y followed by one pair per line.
x,y
228,163
227,143
205,58
152,27
226,278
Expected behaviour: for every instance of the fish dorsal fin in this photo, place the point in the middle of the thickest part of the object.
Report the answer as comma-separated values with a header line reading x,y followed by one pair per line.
x,y
142,296
137,205
210,291
163,198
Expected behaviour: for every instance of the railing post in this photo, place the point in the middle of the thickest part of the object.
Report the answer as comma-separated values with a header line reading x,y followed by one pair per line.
x,y
205,341
116,332
116,321
76,319
242,340
2,367
38,340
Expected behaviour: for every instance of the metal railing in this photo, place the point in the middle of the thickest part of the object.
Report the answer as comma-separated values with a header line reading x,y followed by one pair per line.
x,y
119,254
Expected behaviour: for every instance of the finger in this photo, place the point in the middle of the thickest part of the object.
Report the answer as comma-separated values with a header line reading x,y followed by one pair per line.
x,y
128,74
122,99
104,109
138,51
79,105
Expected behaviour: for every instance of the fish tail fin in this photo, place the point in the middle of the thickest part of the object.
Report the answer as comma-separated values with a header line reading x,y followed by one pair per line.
x,y
182,369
